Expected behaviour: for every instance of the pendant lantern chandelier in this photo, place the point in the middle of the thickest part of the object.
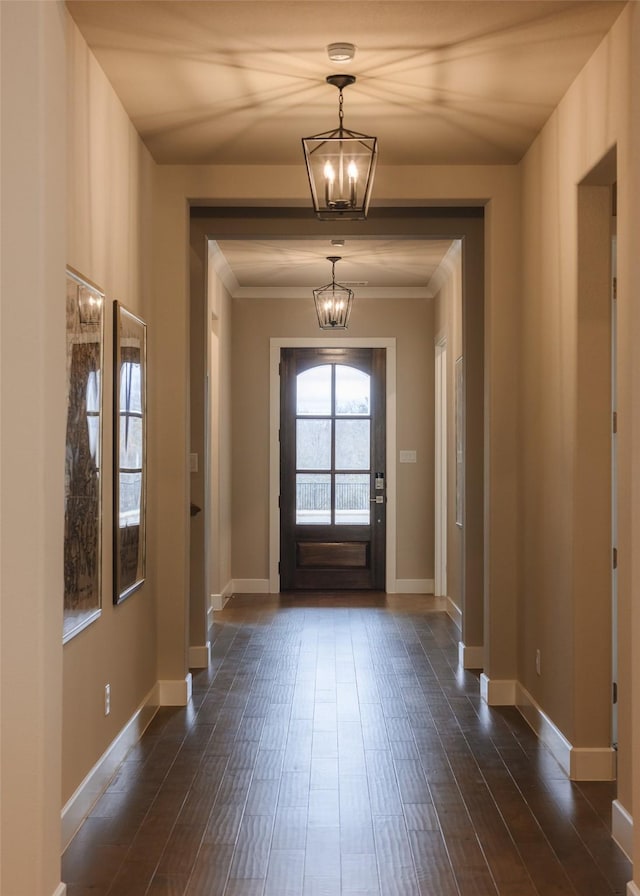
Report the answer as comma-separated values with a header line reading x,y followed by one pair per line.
x,y
340,165
333,301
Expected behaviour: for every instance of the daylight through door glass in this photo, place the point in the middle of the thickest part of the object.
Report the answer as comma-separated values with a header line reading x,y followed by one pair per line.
x,y
333,446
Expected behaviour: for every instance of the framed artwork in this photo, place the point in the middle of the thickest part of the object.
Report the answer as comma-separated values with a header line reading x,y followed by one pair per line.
x,y
459,411
83,455
129,452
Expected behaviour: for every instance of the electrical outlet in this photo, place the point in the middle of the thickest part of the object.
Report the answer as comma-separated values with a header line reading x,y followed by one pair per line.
x,y
537,662
107,699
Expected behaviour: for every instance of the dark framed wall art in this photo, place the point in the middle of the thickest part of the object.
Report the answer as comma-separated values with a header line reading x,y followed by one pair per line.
x,y
83,455
130,449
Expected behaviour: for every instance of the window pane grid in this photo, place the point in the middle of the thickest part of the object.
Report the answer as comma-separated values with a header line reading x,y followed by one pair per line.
x,y
333,446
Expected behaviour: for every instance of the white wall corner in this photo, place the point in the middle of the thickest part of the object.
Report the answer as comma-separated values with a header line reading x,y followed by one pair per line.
x,y
199,655
175,693
470,657
251,586
415,586
622,829
97,780
498,692
593,764
547,731
454,613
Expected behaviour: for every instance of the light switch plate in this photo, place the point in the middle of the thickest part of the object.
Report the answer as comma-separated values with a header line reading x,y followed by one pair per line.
x,y
408,457
193,462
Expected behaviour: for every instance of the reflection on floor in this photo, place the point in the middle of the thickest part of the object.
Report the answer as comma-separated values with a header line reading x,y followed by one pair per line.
x,y
334,747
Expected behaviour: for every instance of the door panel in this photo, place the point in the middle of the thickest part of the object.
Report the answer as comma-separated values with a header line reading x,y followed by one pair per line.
x,y
332,461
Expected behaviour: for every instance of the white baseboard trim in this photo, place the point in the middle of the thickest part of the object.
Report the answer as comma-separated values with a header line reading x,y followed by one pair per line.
x,y
175,693
60,890
95,783
497,692
622,828
414,586
251,586
578,763
546,730
199,656
632,889
218,601
454,613
470,657
593,764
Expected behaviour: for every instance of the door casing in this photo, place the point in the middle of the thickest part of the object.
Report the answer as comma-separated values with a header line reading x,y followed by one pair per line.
x,y
277,343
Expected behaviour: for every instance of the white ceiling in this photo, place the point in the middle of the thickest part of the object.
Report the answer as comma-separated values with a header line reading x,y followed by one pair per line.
x,y
438,82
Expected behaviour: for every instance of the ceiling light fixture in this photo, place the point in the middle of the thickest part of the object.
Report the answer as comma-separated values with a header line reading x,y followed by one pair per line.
x,y
341,52
340,165
333,301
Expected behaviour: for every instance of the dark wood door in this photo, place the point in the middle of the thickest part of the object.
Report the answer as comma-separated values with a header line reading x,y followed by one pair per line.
x,y
332,469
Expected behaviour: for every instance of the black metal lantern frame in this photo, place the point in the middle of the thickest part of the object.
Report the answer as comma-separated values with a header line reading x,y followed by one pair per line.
x,y
333,302
340,166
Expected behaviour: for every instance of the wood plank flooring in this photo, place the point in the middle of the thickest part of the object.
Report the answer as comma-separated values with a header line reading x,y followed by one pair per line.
x,y
334,748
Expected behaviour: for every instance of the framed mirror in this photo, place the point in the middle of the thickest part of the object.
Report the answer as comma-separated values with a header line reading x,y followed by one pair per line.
x,y
129,452
83,456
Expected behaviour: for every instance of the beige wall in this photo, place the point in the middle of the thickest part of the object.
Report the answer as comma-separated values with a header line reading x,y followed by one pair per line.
x,y
220,372
32,432
255,321
108,241
565,604
448,325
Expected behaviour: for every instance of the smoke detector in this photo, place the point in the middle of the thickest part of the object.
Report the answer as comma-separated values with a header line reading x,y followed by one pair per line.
x,y
341,52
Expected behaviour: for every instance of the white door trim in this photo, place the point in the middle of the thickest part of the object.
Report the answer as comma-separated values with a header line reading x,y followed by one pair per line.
x,y
276,343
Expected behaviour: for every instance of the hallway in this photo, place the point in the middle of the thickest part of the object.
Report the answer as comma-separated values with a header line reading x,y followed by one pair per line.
x,y
334,747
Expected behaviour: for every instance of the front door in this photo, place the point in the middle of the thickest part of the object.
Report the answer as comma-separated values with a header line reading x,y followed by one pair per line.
x,y
332,469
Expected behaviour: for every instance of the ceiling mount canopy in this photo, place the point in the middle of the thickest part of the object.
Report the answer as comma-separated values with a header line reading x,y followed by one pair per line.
x,y
333,301
340,165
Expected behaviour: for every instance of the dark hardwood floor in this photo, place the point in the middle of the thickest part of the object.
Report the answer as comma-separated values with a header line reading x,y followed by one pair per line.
x,y
334,747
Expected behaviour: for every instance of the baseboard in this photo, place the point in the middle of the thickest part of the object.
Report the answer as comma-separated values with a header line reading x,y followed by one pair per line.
x,y
622,828
497,692
199,656
251,586
175,693
593,764
60,890
95,783
454,613
546,730
219,601
470,657
632,889
414,586
578,763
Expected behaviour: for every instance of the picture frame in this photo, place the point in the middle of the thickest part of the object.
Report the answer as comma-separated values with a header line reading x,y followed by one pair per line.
x,y
83,454
129,452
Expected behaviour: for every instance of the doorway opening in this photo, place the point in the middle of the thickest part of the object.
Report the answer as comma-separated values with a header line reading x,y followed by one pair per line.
x,y
332,469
